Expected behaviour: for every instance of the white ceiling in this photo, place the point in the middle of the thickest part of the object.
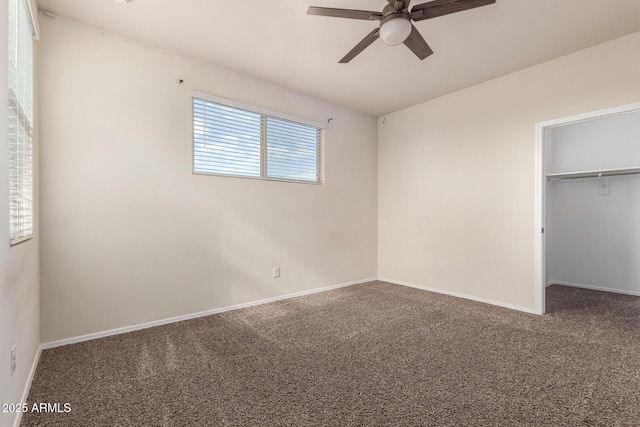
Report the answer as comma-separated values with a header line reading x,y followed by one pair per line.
x,y
275,41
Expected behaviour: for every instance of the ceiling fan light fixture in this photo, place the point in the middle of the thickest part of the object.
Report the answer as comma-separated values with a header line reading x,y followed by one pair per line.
x,y
395,31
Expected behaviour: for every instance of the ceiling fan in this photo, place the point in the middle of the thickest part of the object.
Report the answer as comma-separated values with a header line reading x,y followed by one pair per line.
x,y
395,22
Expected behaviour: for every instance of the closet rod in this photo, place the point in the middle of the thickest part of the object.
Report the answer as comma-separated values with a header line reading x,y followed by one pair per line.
x,y
593,174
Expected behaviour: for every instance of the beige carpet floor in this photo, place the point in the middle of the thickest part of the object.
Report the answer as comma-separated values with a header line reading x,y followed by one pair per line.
x,y
375,354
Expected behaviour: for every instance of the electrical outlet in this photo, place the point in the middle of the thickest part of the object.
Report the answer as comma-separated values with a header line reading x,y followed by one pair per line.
x,y
13,359
276,271
442,269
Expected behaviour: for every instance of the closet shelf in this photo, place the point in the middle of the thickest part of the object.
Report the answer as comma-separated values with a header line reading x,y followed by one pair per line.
x,y
593,174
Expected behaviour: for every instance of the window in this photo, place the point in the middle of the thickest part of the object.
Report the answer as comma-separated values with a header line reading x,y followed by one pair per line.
x,y
21,34
232,139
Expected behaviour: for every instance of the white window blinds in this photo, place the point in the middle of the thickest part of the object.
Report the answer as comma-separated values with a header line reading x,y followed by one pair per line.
x,y
292,150
228,140
20,121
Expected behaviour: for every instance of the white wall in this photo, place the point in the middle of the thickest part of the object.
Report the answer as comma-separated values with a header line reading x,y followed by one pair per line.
x,y
130,235
456,175
19,282
605,143
593,239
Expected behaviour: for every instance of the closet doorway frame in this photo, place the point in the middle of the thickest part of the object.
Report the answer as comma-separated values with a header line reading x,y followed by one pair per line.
x,y
542,129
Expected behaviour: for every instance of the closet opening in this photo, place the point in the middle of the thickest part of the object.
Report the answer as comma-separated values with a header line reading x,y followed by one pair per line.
x,y
587,218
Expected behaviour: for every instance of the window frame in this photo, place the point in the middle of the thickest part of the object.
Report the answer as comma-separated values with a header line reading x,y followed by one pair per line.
x,y
264,114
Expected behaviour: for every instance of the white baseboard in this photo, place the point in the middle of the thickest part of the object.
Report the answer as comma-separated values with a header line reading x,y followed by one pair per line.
x,y
160,322
595,288
27,386
459,295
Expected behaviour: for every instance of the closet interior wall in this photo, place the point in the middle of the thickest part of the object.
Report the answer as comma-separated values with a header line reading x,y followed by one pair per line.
x,y
593,224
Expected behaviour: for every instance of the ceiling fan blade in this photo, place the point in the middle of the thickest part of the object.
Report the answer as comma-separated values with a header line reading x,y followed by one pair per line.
x,y
345,13
364,43
436,8
417,44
